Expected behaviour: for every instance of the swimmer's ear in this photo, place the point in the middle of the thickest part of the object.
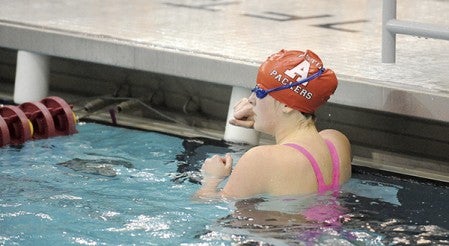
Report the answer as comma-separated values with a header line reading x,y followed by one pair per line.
x,y
286,109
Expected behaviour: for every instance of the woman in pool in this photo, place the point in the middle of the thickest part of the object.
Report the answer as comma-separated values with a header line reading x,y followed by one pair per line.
x,y
291,85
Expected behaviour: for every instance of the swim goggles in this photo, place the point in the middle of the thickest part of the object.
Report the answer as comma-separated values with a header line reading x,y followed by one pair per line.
x,y
261,93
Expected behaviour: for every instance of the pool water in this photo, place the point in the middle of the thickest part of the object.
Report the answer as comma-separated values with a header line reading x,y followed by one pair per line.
x,y
116,186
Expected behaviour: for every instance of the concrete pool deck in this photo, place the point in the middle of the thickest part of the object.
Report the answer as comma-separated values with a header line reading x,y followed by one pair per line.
x,y
225,41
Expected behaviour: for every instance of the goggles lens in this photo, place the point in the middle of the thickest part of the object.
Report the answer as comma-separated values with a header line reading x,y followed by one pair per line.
x,y
260,93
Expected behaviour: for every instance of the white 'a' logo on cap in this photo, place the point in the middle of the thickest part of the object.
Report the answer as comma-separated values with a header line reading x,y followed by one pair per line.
x,y
301,70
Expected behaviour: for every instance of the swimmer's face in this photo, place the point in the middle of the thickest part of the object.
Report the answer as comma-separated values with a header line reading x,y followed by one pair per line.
x,y
265,113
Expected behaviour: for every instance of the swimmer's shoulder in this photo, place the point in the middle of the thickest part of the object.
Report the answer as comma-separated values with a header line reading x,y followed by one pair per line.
x,y
276,159
267,158
287,171
261,154
269,153
340,141
343,146
336,137
249,175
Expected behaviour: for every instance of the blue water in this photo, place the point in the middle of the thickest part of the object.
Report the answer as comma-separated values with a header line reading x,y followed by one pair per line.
x,y
116,186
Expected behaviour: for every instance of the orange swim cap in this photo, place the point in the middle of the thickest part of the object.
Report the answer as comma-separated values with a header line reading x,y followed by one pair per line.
x,y
286,67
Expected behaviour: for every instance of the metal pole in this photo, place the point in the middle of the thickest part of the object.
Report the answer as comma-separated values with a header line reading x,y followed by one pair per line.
x,y
388,37
418,29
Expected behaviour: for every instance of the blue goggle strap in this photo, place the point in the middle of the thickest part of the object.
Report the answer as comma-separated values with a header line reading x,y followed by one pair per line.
x,y
312,77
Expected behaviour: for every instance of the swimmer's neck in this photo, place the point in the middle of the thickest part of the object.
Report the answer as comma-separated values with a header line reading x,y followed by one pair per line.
x,y
295,134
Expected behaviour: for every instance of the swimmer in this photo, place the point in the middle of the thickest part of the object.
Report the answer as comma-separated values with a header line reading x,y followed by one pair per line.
x,y
290,86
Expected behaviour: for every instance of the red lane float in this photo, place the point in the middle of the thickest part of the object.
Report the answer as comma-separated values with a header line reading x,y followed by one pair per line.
x,y
20,129
36,120
4,133
63,116
40,118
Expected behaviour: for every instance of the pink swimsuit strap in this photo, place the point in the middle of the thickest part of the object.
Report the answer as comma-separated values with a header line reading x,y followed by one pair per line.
x,y
322,186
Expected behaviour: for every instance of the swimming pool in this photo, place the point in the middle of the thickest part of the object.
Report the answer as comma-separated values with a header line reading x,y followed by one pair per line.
x,y
116,186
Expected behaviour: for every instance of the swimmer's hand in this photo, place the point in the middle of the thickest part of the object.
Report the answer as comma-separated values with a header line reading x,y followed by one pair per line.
x,y
217,167
214,170
243,114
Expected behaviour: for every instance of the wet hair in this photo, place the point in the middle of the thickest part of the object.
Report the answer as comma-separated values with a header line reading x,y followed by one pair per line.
x,y
309,116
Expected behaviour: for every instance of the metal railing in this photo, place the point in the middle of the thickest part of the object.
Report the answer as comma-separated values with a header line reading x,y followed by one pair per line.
x,y
391,26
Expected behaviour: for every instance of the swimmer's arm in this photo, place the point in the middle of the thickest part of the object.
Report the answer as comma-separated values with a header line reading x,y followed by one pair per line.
x,y
250,176
209,189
